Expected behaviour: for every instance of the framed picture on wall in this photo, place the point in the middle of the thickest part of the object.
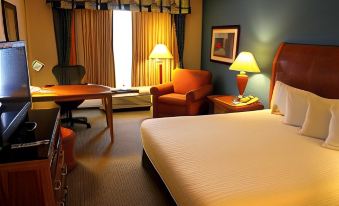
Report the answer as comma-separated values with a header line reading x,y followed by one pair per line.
x,y
10,21
225,43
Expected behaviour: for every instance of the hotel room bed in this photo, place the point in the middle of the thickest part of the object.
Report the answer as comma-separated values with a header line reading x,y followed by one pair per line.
x,y
240,159
251,158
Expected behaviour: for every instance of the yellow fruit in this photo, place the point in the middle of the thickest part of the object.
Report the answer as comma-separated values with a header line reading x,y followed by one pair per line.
x,y
245,99
255,99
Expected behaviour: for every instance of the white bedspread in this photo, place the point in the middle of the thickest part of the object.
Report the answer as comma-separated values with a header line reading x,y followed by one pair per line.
x,y
248,158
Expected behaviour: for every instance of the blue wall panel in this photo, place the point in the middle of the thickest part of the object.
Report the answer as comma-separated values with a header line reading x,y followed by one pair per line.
x,y
264,25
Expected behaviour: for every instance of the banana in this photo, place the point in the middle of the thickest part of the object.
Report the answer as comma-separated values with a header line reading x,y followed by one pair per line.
x,y
245,99
255,99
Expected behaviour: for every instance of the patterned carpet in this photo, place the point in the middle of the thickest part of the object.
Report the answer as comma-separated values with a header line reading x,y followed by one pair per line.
x,y
111,174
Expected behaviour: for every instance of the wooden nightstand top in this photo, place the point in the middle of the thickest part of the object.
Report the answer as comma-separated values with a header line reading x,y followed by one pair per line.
x,y
226,103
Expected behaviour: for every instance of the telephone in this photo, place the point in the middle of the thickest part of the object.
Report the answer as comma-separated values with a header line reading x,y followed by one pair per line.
x,y
246,100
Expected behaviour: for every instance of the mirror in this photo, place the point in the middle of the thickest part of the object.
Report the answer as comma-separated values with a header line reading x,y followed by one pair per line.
x,y
10,20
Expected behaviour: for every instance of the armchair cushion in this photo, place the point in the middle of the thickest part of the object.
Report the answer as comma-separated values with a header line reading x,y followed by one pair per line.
x,y
185,80
173,98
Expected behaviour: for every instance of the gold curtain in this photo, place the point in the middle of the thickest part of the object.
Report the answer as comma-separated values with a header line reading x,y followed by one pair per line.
x,y
94,39
149,29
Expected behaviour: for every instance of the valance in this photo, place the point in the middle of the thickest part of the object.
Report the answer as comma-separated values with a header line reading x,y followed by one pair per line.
x,y
166,6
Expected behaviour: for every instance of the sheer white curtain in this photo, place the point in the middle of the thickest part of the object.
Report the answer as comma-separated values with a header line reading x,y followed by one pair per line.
x,y
122,45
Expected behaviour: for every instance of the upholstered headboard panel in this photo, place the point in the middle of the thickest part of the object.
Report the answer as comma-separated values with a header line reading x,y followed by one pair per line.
x,y
314,68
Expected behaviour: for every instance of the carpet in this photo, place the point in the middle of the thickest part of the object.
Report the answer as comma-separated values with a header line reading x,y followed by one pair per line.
x,y
111,174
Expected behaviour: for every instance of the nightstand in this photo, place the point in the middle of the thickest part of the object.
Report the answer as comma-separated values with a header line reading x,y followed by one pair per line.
x,y
223,104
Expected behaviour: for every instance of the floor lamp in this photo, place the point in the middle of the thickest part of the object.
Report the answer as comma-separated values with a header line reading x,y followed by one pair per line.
x,y
159,53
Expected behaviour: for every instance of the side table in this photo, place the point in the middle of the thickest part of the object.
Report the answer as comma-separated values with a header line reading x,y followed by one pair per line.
x,y
223,104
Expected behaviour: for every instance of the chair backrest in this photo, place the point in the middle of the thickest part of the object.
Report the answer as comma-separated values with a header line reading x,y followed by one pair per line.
x,y
185,80
70,74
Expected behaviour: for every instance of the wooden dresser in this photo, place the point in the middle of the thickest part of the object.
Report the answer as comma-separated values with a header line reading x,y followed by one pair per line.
x,y
34,175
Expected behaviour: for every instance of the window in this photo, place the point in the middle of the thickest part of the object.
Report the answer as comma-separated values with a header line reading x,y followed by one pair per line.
x,y
122,47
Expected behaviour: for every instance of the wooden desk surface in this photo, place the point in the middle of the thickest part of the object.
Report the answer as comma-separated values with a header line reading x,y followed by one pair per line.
x,y
78,92
70,92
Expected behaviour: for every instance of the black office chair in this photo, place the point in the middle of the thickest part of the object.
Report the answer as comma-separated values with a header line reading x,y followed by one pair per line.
x,y
67,75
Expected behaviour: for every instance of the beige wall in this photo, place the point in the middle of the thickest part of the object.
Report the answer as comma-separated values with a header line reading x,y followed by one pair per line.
x,y
41,41
2,34
21,14
36,27
193,35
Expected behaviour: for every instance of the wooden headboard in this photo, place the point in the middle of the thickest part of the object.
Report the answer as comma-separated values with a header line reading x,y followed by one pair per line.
x,y
314,68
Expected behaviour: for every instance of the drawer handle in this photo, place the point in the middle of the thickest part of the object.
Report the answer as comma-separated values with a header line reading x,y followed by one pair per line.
x,y
57,185
64,171
61,203
66,190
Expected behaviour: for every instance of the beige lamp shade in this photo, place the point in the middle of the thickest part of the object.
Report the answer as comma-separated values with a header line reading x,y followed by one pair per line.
x,y
245,62
160,51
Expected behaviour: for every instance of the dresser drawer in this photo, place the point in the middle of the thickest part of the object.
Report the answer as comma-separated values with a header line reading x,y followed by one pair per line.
x,y
59,183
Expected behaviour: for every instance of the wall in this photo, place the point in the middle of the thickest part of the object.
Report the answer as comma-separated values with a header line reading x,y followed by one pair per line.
x,y
40,33
41,39
193,34
20,8
2,32
264,24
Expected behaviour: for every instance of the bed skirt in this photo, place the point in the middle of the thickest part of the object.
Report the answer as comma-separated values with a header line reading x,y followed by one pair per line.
x,y
148,166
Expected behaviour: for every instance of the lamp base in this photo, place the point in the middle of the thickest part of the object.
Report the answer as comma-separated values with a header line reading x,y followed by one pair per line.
x,y
236,99
242,80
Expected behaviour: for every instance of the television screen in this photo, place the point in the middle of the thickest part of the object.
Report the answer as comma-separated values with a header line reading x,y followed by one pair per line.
x,y
15,97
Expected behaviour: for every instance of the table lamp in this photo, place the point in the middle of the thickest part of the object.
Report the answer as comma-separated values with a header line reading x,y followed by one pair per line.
x,y
159,53
245,62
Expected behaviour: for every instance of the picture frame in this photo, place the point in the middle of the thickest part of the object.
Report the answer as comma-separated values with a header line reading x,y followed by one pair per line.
x,y
224,43
37,65
10,21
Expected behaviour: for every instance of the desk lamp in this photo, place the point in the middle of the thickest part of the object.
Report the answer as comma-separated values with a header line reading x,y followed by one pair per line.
x,y
245,62
159,53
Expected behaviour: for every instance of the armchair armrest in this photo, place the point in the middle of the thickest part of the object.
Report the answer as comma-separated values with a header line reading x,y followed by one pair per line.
x,y
200,93
162,89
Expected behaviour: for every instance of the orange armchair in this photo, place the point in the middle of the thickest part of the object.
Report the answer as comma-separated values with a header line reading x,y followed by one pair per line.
x,y
185,95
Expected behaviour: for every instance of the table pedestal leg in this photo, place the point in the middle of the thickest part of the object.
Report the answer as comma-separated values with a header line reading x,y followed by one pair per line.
x,y
109,115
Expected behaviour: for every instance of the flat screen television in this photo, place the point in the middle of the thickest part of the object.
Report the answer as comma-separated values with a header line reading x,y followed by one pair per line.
x,y
15,96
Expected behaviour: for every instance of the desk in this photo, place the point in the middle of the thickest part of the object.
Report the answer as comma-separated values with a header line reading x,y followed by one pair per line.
x,y
78,92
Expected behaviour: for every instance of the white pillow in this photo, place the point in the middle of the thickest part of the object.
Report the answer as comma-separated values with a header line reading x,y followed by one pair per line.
x,y
296,106
278,101
317,117
332,140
